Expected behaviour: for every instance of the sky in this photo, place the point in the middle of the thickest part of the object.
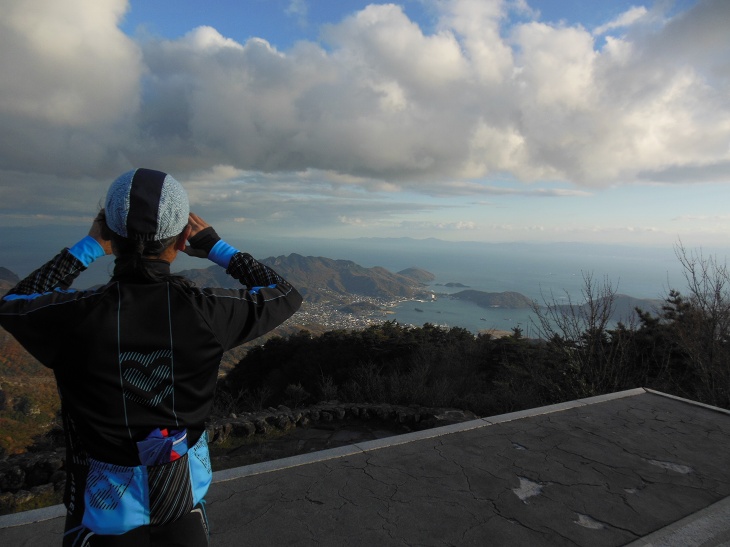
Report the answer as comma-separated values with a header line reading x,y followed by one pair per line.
x,y
462,120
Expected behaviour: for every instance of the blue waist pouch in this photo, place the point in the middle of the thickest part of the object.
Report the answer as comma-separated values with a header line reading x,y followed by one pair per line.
x,y
118,498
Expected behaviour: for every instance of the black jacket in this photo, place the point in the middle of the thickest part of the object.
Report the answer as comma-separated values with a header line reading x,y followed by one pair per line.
x,y
134,355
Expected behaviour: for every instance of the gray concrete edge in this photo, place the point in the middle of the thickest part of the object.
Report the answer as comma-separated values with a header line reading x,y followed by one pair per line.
x,y
687,401
708,527
55,511
30,517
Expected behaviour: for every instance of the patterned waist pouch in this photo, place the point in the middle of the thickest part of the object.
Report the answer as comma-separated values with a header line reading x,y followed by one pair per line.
x,y
119,498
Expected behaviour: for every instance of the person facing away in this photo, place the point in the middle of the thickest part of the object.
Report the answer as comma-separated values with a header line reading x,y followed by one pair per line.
x,y
136,361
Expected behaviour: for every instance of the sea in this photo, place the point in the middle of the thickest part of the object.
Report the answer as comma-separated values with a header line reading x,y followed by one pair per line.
x,y
547,273
544,272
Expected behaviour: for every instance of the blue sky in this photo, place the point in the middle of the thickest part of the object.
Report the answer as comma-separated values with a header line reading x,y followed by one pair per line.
x,y
475,120
284,22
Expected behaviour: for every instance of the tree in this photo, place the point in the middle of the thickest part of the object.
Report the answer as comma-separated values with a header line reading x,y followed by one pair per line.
x,y
702,323
589,357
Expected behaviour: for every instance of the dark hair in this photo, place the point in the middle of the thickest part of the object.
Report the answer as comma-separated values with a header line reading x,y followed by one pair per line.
x,y
133,255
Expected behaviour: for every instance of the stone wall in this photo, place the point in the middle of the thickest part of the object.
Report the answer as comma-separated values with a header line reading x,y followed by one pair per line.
x,y
284,418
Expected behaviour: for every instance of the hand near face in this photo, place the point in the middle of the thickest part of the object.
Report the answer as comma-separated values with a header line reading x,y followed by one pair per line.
x,y
100,232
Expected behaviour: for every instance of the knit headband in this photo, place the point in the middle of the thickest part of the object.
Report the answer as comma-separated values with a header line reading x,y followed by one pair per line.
x,y
146,205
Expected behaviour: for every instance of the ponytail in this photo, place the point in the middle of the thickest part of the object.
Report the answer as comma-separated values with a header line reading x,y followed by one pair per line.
x,y
133,256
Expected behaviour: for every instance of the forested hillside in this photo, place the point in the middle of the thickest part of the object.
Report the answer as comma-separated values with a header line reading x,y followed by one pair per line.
x,y
28,397
682,347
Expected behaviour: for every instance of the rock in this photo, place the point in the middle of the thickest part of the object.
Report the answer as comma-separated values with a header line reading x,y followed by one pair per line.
x,y
262,427
53,463
383,412
244,428
22,496
404,417
284,423
448,417
42,489
7,500
12,478
211,431
220,433
58,476
36,475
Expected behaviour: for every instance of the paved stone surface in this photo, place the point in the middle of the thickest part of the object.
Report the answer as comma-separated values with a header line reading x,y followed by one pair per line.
x,y
637,467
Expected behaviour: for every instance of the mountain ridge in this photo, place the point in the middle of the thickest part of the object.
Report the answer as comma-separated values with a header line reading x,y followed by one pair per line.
x,y
321,278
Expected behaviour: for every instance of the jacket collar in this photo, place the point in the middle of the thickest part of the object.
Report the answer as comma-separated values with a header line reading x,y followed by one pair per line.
x,y
123,270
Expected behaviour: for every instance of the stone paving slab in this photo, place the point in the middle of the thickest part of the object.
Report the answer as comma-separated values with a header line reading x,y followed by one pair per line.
x,y
632,467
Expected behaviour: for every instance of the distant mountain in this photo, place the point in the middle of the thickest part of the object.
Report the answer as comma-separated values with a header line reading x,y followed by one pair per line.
x,y
7,275
511,300
5,286
624,307
7,280
213,276
316,276
418,274
319,278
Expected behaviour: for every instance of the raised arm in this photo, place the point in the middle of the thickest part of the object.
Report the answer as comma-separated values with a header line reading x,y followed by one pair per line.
x,y
206,243
268,301
62,269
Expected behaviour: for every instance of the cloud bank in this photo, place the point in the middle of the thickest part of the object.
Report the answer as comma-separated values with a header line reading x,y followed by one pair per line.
x,y
377,104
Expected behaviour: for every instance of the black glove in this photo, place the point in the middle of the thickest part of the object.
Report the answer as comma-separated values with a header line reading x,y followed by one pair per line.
x,y
204,240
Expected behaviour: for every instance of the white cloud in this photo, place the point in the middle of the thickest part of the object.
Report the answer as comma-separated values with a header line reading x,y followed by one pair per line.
x,y
626,19
351,221
382,106
70,87
297,7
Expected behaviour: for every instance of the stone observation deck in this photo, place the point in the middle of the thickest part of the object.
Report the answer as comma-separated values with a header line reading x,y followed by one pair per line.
x,y
632,468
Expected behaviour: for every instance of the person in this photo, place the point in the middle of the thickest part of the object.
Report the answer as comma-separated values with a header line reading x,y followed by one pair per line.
x,y
136,360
